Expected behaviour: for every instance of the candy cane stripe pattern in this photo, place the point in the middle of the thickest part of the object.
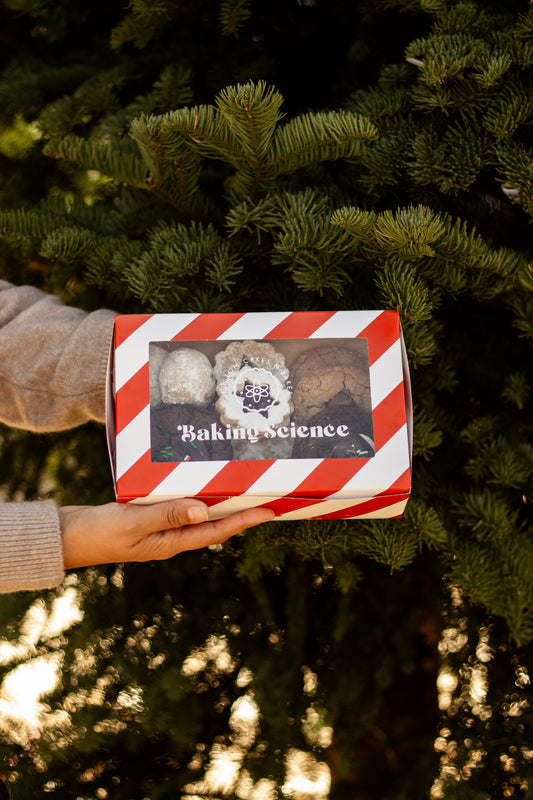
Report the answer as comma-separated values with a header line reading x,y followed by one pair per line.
x,y
370,477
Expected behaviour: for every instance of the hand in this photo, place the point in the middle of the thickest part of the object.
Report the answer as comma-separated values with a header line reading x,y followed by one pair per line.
x,y
125,532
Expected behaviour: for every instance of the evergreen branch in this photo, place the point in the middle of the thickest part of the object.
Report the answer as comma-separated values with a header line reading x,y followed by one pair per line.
x,y
500,578
485,515
446,56
492,67
251,112
172,146
174,254
144,20
233,15
68,244
421,342
317,272
426,435
171,90
451,162
63,115
105,157
313,138
378,540
24,86
224,267
523,310
523,28
241,130
20,223
54,215
426,524
359,224
516,390
497,463
258,218
402,289
515,162
109,260
512,108
410,232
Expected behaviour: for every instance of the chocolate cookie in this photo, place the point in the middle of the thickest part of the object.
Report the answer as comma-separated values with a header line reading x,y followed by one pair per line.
x,y
315,390
202,440
350,434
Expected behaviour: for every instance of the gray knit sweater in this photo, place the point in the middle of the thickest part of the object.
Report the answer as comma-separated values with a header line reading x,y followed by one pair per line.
x,y
52,377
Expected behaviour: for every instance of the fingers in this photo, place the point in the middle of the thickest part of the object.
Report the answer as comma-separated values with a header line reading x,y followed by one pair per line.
x,y
169,515
130,532
220,530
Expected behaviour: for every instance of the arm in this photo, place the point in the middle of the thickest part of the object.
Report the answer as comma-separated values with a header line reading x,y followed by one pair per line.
x,y
38,541
52,376
52,360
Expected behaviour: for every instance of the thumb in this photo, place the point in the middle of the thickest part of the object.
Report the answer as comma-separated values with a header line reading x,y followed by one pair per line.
x,y
168,515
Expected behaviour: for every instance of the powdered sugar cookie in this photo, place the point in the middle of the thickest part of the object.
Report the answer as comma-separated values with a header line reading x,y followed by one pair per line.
x,y
186,376
156,360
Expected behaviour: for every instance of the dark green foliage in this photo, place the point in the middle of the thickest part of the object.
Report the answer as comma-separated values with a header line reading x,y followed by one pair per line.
x,y
217,156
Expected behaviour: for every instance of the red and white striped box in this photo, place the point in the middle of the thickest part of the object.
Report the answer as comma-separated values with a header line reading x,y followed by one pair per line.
x,y
353,483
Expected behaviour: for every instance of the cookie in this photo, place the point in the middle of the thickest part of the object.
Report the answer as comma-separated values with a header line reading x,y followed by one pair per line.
x,y
319,386
168,423
324,357
338,431
186,376
156,359
250,354
276,448
253,397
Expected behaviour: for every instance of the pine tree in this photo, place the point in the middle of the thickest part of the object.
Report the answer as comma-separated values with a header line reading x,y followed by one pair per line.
x,y
231,156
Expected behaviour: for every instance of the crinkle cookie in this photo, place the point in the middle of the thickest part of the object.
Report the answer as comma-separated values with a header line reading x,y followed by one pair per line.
x,y
319,386
187,377
166,423
253,397
250,354
323,357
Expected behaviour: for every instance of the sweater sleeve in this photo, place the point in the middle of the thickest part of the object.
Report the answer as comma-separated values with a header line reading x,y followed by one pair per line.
x,y
31,556
53,361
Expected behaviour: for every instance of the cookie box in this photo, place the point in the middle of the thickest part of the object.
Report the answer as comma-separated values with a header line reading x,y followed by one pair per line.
x,y
308,413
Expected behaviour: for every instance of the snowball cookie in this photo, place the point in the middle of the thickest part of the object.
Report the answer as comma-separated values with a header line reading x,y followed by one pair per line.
x,y
156,358
187,377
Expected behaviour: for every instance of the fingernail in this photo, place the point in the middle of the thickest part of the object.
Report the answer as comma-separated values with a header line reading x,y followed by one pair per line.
x,y
197,514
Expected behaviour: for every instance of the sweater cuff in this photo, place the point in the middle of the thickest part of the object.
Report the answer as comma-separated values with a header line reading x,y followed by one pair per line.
x,y
31,554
